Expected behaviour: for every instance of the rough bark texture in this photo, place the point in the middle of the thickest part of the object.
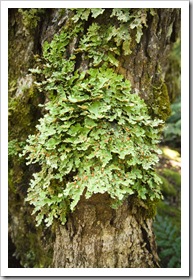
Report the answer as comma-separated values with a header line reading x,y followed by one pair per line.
x,y
95,235
98,236
147,65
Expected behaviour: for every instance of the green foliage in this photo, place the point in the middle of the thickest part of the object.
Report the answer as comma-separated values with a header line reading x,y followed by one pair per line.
x,y
172,131
173,177
135,18
111,38
173,74
83,13
171,184
171,189
95,137
169,242
168,221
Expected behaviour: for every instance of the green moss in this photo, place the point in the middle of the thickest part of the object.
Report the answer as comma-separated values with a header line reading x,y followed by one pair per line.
x,y
151,209
31,17
35,255
31,248
30,240
157,100
146,208
23,114
161,105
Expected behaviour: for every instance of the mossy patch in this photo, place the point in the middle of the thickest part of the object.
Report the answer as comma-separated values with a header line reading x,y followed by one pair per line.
x,y
160,108
23,115
157,99
30,18
146,209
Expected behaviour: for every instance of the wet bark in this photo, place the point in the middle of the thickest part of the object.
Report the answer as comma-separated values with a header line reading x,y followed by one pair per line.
x,y
95,235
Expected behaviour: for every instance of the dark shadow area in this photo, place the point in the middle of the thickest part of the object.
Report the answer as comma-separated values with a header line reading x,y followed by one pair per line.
x,y
13,262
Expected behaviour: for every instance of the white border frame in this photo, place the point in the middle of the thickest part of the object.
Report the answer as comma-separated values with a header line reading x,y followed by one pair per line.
x,y
184,270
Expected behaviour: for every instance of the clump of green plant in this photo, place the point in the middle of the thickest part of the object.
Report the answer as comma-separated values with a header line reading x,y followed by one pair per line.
x,y
95,137
168,239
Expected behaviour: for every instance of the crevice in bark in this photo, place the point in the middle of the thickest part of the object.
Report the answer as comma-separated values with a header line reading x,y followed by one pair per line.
x,y
159,27
111,222
145,238
12,260
78,61
38,46
82,63
176,26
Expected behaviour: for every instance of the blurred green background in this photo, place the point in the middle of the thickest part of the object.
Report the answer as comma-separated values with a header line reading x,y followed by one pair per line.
x,y
167,225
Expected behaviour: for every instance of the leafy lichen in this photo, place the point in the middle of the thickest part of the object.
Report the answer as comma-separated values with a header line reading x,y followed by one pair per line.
x,y
96,137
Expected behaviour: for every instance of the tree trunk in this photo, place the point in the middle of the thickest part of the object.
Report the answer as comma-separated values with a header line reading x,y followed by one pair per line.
x,y
98,236
95,235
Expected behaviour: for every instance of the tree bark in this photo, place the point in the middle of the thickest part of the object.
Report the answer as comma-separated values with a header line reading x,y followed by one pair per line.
x,y
95,235
98,236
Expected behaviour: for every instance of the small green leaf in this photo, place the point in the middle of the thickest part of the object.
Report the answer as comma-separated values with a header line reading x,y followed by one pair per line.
x,y
126,47
96,12
112,59
89,123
